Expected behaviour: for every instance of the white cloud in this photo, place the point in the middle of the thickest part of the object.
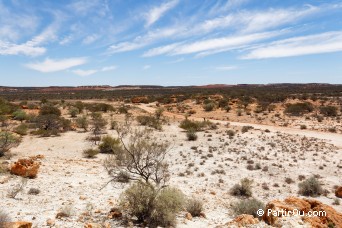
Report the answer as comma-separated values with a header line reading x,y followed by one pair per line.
x,y
84,72
241,22
20,49
262,20
142,41
91,38
215,45
146,67
31,47
50,65
226,68
108,68
157,12
303,45
83,6
66,40
161,50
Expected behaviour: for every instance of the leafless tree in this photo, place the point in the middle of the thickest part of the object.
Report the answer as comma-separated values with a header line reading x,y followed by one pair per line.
x,y
142,157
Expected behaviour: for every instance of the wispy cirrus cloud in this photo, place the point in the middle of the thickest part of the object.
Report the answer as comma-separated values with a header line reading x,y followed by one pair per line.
x,y
109,68
157,12
90,39
84,73
236,24
297,46
212,45
143,41
225,68
54,65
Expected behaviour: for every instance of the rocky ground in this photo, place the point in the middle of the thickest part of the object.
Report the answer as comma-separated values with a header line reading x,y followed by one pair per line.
x,y
205,169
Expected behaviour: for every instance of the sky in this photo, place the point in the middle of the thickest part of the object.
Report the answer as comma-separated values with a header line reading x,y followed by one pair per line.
x,y
169,42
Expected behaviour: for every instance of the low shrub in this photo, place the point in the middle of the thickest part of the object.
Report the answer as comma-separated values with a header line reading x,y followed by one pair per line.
x,y
73,112
310,187
248,206
193,125
123,177
150,121
303,127
328,110
298,109
230,133
209,107
246,129
21,129
90,153
33,191
82,122
151,206
110,145
191,135
242,189
194,207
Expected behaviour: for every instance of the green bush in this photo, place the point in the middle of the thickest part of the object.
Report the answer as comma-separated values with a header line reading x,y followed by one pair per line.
x,y
7,141
328,110
73,112
242,189
19,115
110,145
209,107
194,207
21,129
151,206
248,206
192,125
310,187
149,121
298,109
6,108
223,103
49,109
99,107
82,122
90,153
51,124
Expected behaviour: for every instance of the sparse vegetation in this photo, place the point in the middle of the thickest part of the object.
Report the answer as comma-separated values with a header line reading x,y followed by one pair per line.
x,y
248,206
110,145
242,189
191,135
7,141
152,206
310,187
298,109
90,153
194,207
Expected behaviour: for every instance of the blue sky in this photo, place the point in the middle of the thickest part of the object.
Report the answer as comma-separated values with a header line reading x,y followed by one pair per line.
x,y
169,42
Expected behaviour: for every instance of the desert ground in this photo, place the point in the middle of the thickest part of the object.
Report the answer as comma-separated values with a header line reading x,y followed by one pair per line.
x,y
275,157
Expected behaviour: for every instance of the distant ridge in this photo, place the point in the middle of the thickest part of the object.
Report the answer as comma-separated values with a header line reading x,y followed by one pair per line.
x,y
137,87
